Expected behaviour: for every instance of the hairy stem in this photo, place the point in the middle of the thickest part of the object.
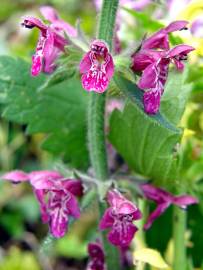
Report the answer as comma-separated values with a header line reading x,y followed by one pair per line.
x,y
179,226
96,132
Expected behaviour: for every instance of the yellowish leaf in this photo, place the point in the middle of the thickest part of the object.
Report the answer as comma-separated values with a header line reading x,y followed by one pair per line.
x,y
150,256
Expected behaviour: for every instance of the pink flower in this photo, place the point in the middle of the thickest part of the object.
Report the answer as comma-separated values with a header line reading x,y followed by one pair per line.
x,y
57,24
153,61
163,199
97,67
160,39
56,196
119,218
96,254
16,177
51,42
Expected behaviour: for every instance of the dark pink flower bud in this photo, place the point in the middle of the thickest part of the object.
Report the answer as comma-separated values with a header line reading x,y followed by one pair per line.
x,y
96,254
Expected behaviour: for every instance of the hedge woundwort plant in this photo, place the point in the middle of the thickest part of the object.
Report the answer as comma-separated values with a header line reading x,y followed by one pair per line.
x,y
99,71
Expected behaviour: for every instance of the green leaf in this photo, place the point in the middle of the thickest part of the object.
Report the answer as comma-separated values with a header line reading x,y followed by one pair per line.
x,y
58,110
147,143
176,94
150,256
131,91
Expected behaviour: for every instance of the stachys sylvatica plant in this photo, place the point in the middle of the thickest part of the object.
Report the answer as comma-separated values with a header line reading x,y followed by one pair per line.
x,y
122,146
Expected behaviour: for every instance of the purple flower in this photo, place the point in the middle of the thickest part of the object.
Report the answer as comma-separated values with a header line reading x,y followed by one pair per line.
x,y
119,218
51,42
153,61
57,24
163,199
96,254
56,196
197,27
97,67
160,39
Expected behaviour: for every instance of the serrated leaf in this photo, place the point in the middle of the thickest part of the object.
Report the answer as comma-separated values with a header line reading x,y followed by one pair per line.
x,y
147,143
150,256
58,110
130,90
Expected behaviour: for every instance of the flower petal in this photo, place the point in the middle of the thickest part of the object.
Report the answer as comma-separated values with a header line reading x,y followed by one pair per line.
x,y
58,223
41,197
180,49
142,60
30,22
137,214
96,254
50,52
16,177
115,198
73,186
95,251
37,64
122,234
72,206
176,26
49,13
184,200
155,214
95,80
155,194
109,66
44,179
126,208
159,40
107,220
58,213
85,63
60,25
149,77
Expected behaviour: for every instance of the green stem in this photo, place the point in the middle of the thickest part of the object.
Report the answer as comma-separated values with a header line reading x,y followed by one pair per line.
x,y
96,132
179,227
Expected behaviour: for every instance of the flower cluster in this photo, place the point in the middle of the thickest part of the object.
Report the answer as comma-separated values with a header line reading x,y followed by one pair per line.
x,y
56,196
97,65
51,41
153,61
57,199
